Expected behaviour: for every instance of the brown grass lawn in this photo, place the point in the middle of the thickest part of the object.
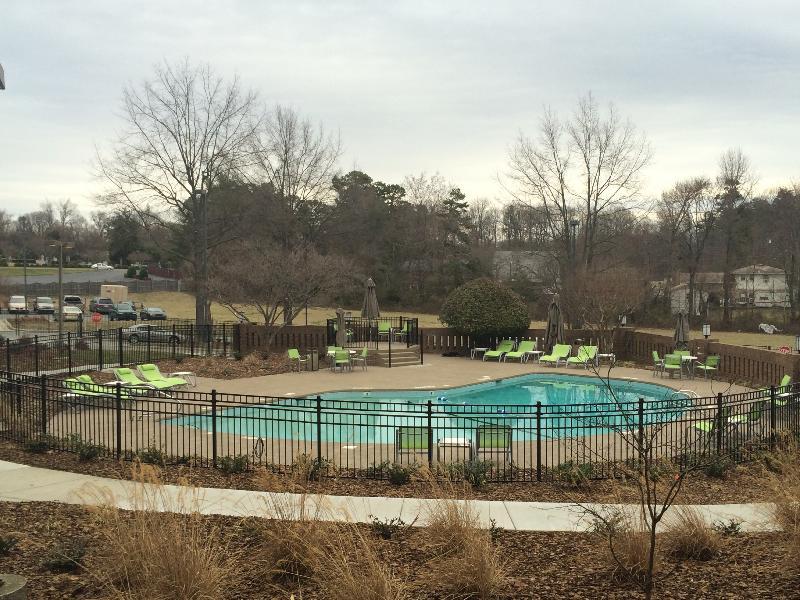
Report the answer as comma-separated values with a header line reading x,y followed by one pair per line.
x,y
180,305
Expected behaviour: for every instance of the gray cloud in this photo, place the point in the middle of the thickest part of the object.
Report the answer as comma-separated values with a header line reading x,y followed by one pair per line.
x,y
411,86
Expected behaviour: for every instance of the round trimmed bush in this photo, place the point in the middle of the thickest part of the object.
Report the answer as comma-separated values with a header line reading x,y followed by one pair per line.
x,y
484,308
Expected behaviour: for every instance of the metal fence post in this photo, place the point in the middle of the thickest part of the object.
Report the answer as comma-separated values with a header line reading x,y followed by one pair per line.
x,y
99,349
772,417
8,355
173,342
36,354
118,411
430,434
148,347
191,339
209,334
214,427
640,449
69,352
43,399
420,341
720,423
120,350
389,337
224,342
319,431
538,440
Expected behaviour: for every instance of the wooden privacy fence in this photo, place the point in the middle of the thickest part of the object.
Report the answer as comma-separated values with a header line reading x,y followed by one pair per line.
x,y
304,337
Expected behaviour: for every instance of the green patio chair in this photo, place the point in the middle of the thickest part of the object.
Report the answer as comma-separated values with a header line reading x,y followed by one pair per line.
x,y
519,353
672,364
709,366
560,352
585,356
295,358
342,360
410,440
494,439
361,358
708,427
658,364
384,329
783,393
503,348
152,374
130,379
404,331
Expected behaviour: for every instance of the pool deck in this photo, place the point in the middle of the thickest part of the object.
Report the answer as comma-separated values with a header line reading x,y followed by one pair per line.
x,y
438,373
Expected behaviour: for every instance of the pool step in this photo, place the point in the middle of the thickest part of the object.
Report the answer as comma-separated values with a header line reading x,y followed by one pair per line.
x,y
401,357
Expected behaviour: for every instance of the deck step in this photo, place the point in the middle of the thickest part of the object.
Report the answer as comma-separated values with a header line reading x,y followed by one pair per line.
x,y
401,357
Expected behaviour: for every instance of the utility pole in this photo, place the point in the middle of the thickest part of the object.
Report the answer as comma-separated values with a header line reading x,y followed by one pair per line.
x,y
60,245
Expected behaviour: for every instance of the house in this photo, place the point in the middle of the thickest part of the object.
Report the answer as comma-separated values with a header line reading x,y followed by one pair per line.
x,y
761,286
707,292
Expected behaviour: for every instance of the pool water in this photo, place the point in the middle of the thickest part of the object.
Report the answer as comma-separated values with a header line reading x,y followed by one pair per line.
x,y
571,405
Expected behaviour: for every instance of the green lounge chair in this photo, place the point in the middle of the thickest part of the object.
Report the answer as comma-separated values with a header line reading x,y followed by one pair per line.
x,y
130,379
342,359
361,358
751,416
708,427
410,440
295,358
151,374
672,364
781,397
503,348
494,439
560,352
658,364
520,352
711,365
585,356
83,386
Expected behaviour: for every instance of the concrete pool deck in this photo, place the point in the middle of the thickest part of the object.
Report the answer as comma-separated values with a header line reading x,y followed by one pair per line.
x,y
438,372
23,483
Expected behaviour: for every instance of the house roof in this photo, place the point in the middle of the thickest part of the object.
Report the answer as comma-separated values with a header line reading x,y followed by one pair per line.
x,y
758,270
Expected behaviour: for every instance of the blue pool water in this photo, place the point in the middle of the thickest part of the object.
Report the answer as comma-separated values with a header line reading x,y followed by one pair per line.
x,y
570,406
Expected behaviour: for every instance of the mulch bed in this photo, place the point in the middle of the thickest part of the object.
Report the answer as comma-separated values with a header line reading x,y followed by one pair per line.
x,y
540,564
744,483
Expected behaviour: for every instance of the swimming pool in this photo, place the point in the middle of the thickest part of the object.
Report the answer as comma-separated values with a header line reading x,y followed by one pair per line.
x,y
535,406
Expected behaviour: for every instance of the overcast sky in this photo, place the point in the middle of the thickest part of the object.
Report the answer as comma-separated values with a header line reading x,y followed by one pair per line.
x,y
423,86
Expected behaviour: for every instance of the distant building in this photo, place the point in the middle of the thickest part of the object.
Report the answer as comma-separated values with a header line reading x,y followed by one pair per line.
x,y
761,286
707,292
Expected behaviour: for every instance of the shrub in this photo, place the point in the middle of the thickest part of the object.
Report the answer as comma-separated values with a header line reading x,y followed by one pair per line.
x,y
689,536
400,474
7,544
727,528
483,308
717,465
476,472
388,528
37,445
130,273
152,455
143,274
630,554
572,474
65,556
86,451
146,553
306,468
233,464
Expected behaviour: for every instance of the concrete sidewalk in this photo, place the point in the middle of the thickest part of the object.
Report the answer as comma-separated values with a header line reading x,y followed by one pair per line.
x,y
23,483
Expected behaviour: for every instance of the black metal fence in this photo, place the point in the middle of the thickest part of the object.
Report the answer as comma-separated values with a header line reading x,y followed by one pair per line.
x,y
362,438
104,348
360,332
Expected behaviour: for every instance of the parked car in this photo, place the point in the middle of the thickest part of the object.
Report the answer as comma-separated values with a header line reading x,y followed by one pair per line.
x,y
123,311
152,313
101,305
18,305
44,305
76,301
102,267
145,331
70,313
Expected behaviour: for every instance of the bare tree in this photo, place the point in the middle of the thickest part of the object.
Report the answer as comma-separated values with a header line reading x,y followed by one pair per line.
x,y
67,211
688,214
298,159
273,280
183,130
584,168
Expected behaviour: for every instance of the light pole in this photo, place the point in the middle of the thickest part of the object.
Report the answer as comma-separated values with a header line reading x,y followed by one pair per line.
x,y
574,241
201,205
60,245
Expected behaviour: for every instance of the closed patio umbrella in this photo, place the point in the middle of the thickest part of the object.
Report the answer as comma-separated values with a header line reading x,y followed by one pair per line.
x,y
341,330
682,332
370,309
554,332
